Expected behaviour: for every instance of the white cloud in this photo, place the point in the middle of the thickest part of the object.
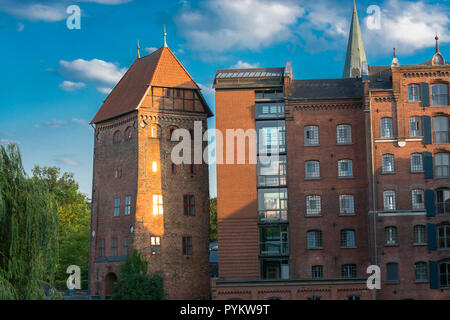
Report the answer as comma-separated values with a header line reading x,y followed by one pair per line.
x,y
56,124
113,2
237,24
71,86
408,26
67,161
244,65
151,49
206,90
80,122
20,27
102,74
34,11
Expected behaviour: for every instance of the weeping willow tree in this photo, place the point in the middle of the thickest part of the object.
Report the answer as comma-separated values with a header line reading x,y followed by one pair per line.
x,y
28,231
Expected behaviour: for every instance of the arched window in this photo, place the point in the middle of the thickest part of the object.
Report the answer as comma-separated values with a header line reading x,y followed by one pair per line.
x,y
392,272
420,235
415,127
443,201
418,199
344,134
390,236
128,134
389,200
346,204
311,135
314,238
155,131
313,206
416,162
312,169
442,165
386,128
444,236
388,163
413,93
117,137
345,168
348,239
439,94
440,130
421,271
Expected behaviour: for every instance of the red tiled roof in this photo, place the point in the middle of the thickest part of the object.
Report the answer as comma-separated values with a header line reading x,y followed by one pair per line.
x,y
161,68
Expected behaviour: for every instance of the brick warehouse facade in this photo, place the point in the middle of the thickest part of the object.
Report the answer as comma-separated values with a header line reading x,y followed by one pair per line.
x,y
362,179
140,198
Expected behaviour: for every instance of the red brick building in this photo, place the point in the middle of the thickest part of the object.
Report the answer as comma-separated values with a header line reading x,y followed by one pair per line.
x,y
140,198
362,179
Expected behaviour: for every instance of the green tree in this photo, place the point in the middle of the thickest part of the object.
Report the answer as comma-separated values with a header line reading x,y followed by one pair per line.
x,y
28,230
213,219
74,222
135,284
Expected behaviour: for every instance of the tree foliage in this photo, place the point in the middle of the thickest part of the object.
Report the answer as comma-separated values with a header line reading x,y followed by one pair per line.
x,y
74,222
28,230
213,219
135,284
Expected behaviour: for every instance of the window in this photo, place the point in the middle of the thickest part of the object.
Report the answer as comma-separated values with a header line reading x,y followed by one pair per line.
x,y
192,169
344,134
346,204
389,200
155,131
125,246
444,236
444,274
420,235
117,137
187,245
442,165
157,204
388,163
269,94
317,272
418,197
101,248
443,202
156,245
127,206
311,136
189,205
114,247
154,166
415,127
354,298
416,163
274,241
348,239
269,111
271,137
128,134
118,173
390,236
312,169
174,168
272,173
314,298
392,272
274,268
440,130
413,93
345,168
167,92
313,205
116,207
272,205
421,271
348,271
439,94
314,238
386,128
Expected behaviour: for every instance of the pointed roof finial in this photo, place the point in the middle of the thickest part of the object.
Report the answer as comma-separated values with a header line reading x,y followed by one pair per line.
x,y
395,55
437,42
165,37
138,47
395,62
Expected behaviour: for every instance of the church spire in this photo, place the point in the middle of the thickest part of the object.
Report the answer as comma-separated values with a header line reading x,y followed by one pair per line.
x,y
356,55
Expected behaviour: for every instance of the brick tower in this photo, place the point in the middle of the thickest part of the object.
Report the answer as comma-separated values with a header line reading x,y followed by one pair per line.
x,y
140,198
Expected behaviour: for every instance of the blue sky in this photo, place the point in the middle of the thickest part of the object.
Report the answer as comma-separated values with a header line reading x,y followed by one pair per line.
x,y
55,79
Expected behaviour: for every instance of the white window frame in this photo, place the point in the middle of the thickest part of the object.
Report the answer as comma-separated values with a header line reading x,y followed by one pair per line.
x,y
157,205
